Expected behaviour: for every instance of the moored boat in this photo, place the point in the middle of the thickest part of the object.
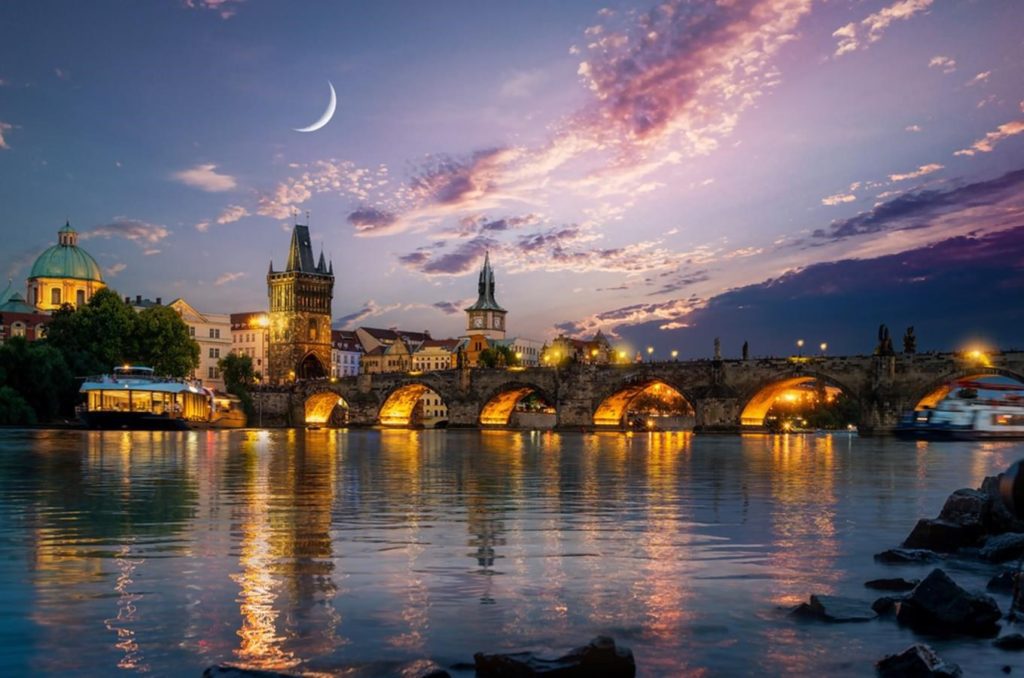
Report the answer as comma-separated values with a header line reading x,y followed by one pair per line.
x,y
134,397
972,411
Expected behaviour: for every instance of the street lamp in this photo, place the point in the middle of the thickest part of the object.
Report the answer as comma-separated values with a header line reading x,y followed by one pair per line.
x,y
799,346
823,347
675,354
650,352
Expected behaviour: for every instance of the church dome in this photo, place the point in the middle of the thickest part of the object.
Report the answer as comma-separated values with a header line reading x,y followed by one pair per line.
x,y
66,260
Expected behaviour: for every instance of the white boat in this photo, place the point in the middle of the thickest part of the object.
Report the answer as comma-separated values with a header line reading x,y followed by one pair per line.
x,y
972,411
136,398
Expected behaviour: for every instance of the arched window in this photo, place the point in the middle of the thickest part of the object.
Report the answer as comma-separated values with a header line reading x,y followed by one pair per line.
x,y
40,331
18,329
55,296
80,298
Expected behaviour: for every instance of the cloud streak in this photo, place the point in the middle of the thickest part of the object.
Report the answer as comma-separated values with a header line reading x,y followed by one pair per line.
x,y
206,178
987,143
141,233
859,35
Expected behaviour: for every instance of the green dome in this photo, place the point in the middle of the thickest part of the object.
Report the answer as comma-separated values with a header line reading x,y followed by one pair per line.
x,y
66,260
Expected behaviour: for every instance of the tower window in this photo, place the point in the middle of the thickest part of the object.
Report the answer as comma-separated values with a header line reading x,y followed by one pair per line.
x,y
55,296
312,329
80,298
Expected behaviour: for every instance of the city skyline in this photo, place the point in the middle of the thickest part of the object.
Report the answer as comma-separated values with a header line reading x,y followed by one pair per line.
x,y
762,171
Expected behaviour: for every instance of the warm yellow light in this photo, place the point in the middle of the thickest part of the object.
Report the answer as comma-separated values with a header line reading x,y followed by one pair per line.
x,y
127,366
675,354
593,351
263,321
650,350
824,346
799,343
622,355
789,397
519,355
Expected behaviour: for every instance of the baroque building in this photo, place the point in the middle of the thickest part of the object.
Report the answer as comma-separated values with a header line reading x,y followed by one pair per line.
x,y
486,317
64,274
300,313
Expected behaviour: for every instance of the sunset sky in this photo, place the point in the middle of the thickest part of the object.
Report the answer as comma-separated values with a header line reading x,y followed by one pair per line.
x,y
758,170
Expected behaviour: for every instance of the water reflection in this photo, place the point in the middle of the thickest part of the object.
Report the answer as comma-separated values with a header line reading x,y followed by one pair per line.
x,y
323,550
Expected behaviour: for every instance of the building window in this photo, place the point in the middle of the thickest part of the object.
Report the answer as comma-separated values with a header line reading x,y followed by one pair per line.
x,y
80,298
214,352
18,329
214,334
312,329
55,296
212,373
40,331
191,331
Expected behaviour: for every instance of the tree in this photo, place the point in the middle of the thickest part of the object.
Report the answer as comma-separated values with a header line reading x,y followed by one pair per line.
x,y
909,341
498,356
237,371
14,411
238,377
94,337
163,343
39,374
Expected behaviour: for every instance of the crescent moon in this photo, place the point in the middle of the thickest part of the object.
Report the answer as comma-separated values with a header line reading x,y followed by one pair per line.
x,y
326,117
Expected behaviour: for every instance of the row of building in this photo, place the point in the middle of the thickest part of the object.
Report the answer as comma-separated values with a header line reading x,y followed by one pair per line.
x,y
294,338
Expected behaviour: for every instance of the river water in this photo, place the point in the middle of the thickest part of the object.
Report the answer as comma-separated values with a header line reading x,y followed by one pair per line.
x,y
350,552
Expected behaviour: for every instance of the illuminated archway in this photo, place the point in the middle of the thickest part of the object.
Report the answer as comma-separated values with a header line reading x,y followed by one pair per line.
x,y
414,405
320,409
939,390
789,389
500,408
613,410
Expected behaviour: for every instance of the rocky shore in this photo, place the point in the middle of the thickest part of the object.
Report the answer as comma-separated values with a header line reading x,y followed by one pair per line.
x,y
974,526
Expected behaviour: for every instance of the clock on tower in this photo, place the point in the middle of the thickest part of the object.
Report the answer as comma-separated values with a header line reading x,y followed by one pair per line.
x,y
486,317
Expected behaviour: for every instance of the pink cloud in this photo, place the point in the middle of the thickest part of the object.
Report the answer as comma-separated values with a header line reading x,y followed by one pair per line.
x,y
987,143
919,172
206,178
854,36
4,127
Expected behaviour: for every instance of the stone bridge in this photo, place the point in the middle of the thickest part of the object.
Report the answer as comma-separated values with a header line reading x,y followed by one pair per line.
x,y
726,395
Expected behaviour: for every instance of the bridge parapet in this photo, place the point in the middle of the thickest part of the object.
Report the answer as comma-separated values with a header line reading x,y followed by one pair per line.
x,y
718,390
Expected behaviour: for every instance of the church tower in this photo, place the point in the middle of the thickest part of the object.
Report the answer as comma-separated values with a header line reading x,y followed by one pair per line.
x,y
485,316
300,313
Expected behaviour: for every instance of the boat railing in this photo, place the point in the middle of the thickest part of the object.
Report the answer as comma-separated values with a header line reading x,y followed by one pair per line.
x,y
124,379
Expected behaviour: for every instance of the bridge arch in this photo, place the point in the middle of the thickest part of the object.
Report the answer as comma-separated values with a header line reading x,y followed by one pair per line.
x,y
938,389
758,401
325,408
500,403
414,404
614,406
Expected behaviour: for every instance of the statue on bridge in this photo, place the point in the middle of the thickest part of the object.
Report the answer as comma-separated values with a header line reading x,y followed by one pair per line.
x,y
884,346
746,351
909,341
718,348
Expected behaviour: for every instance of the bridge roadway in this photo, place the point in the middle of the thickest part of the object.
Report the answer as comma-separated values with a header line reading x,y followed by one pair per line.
x,y
726,395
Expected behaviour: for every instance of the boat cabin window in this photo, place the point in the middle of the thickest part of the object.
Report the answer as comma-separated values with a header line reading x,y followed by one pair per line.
x,y
1008,419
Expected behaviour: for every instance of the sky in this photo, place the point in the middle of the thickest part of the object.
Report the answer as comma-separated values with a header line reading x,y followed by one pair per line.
x,y
755,170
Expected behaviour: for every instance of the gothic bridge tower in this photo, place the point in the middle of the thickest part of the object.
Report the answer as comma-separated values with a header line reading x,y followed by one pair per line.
x,y
486,317
300,313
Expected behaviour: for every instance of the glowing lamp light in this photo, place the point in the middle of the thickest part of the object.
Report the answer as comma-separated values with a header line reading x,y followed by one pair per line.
x,y
675,354
263,321
823,346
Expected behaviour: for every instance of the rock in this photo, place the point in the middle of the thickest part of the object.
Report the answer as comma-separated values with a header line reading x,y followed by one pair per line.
x,y
834,609
917,661
886,605
999,519
1002,582
894,584
941,536
938,605
966,507
228,671
906,556
599,658
1003,547
1013,642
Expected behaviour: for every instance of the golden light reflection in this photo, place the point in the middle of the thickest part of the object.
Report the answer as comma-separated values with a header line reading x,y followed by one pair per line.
x,y
757,409
498,409
399,408
261,644
319,407
613,410
132,658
